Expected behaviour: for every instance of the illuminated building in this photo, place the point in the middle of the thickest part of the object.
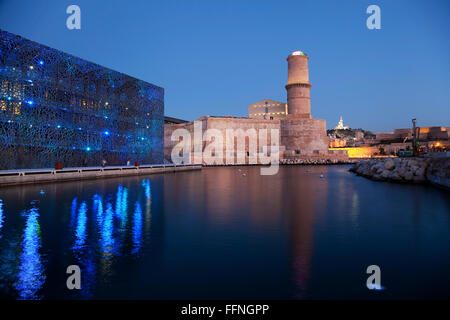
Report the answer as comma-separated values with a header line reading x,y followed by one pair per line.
x,y
57,108
268,110
340,125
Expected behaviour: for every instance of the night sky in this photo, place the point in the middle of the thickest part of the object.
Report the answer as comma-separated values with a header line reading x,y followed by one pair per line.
x,y
217,57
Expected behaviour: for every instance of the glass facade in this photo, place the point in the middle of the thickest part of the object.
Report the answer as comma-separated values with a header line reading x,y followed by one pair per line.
x,y
57,108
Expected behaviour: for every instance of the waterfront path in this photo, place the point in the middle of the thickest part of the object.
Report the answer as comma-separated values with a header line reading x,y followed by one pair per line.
x,y
28,176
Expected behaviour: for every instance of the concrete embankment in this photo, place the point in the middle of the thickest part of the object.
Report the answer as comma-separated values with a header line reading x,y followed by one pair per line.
x,y
29,176
409,170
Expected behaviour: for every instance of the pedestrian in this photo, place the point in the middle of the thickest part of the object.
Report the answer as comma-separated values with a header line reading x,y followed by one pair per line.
x,y
128,162
103,163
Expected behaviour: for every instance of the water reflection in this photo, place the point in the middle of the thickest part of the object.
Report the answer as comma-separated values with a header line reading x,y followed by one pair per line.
x,y
81,250
98,208
30,277
355,209
100,230
122,205
73,212
80,232
148,199
1,217
137,228
146,184
217,234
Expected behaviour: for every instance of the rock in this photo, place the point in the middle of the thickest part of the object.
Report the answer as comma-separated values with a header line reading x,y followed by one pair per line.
x,y
377,177
401,171
412,163
372,170
395,176
389,165
413,168
408,176
419,179
420,172
385,174
424,164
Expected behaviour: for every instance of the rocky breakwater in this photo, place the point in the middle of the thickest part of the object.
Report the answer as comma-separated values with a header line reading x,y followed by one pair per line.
x,y
410,170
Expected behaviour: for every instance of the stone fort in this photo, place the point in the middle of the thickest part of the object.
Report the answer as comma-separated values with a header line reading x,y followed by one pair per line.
x,y
300,136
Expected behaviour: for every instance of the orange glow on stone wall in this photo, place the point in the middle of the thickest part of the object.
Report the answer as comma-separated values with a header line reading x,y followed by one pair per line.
x,y
358,152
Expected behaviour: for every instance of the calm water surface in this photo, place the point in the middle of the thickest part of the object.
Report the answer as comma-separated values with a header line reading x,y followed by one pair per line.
x,y
215,234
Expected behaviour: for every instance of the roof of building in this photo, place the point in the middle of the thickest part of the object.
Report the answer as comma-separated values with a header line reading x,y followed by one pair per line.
x,y
173,120
298,53
267,101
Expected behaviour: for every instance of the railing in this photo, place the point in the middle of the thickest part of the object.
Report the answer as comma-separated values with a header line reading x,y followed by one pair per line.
x,y
29,172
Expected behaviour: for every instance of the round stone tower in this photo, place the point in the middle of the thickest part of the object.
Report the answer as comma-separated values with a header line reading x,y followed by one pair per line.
x,y
301,136
298,86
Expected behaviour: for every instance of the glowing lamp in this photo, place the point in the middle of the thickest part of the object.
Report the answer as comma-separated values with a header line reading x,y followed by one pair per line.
x,y
297,53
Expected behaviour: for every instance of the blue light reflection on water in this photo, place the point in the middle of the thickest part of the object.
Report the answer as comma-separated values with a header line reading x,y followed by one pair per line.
x,y
252,238
97,208
94,251
80,233
137,228
82,253
147,188
1,217
122,205
106,233
30,277
73,212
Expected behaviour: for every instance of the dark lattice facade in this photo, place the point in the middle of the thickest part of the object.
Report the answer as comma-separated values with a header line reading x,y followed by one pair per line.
x,y
57,108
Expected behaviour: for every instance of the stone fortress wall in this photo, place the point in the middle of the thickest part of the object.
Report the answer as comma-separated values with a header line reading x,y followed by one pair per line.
x,y
300,136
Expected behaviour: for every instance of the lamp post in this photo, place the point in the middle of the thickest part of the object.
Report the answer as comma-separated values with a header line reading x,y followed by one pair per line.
x,y
415,138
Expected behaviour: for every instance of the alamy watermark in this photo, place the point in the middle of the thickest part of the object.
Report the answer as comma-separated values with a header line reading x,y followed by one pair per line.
x,y
218,147
74,20
374,280
374,20
74,280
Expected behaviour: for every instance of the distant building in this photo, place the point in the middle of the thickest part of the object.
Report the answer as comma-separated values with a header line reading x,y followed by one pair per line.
x,y
337,143
359,135
340,125
426,133
267,109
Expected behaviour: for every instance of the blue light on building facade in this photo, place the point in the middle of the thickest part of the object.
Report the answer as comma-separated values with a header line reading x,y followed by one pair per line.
x,y
55,107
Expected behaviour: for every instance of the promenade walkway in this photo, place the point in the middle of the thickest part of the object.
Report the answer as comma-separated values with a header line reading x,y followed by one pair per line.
x,y
45,175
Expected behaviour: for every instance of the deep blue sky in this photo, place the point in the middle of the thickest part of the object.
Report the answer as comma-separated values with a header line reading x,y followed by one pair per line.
x,y
216,57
